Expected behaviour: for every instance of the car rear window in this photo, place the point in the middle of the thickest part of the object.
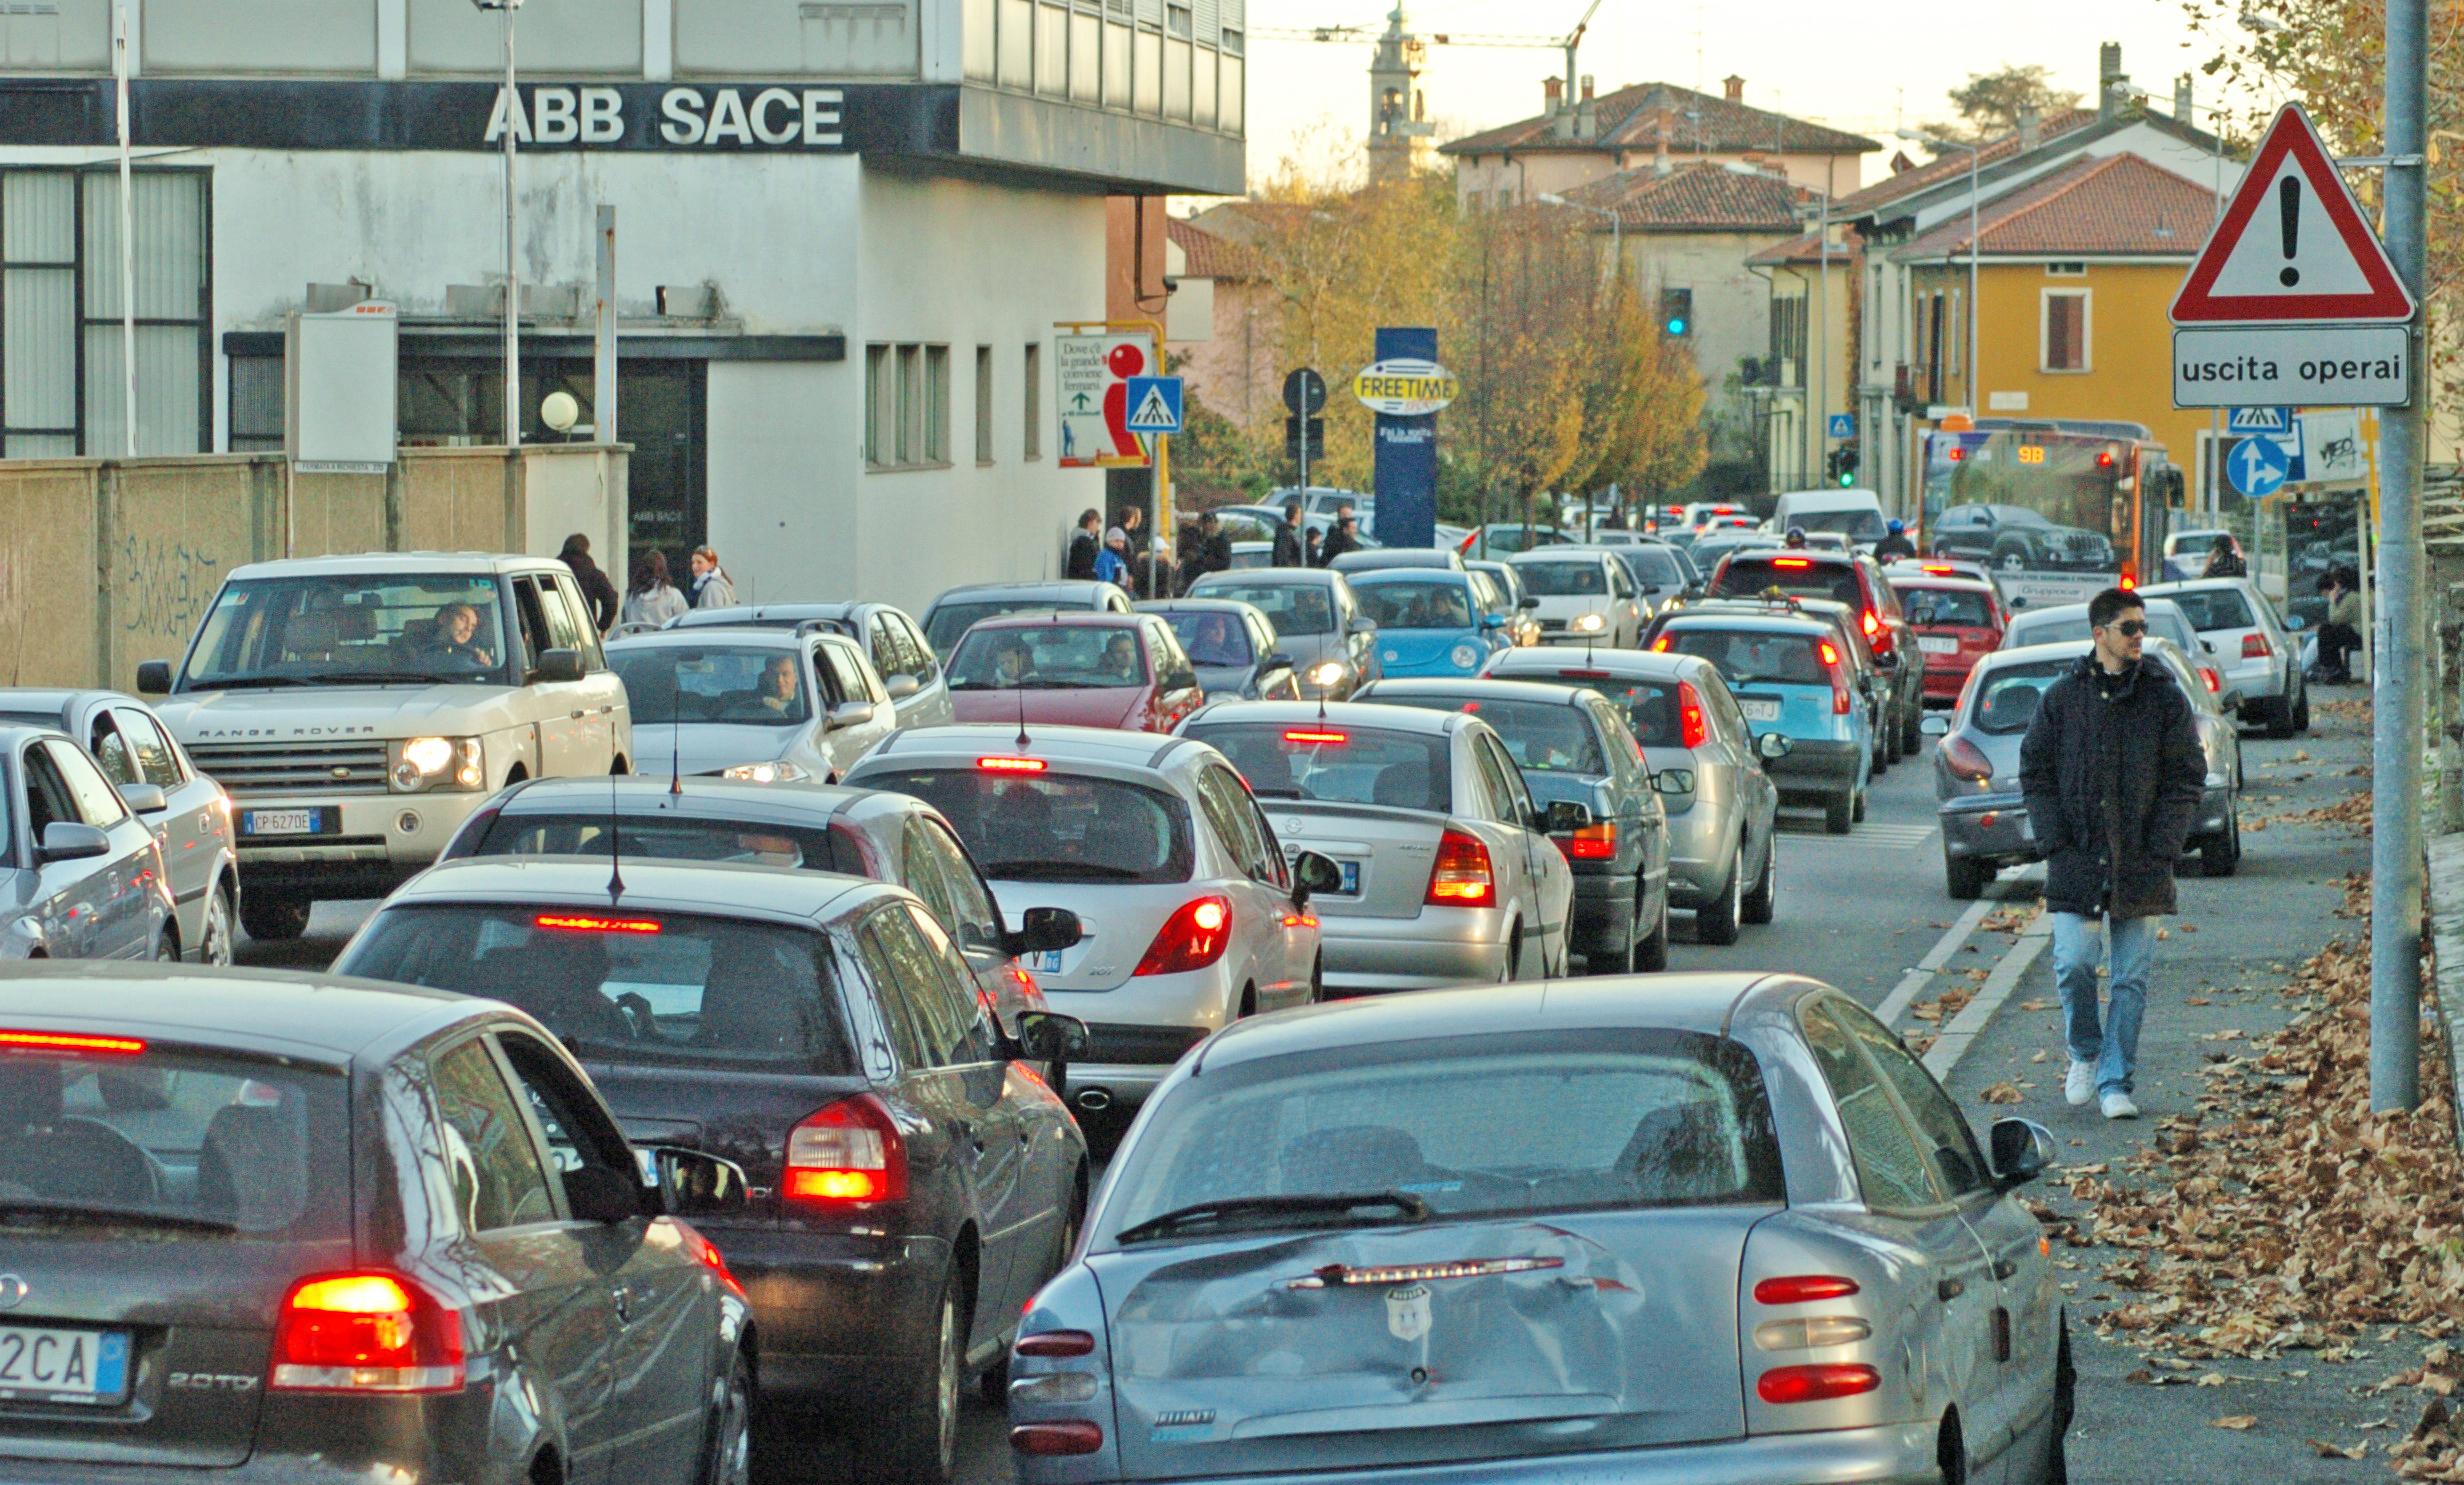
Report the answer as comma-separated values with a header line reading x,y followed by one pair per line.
x,y
1563,579
1527,1122
671,838
1947,608
950,620
158,1134
1337,764
1650,707
2007,698
1052,826
1049,657
1293,608
1745,656
739,684
1857,523
1804,577
1543,736
2214,608
1439,604
628,985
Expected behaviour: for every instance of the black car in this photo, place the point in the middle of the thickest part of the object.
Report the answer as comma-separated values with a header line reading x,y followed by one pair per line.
x,y
2016,539
1233,646
911,1183
275,1227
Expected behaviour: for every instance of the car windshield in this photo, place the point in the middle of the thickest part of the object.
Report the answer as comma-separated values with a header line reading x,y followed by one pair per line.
x,y
2007,698
950,620
1212,638
1656,566
1293,608
739,685
1650,707
2214,608
217,1143
1048,826
1048,657
629,985
1563,579
1337,764
1947,608
1801,577
1746,656
1543,736
1858,524
669,837
352,629
1417,604
1525,1122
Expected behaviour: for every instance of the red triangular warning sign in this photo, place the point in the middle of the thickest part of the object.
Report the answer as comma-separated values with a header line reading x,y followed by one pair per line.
x,y
2292,246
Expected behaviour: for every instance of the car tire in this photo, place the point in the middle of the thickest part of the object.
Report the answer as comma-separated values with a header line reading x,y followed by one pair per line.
x,y
2301,706
167,948
1621,961
1912,731
1715,922
1838,814
2280,723
2222,856
274,917
919,1442
1965,879
1651,955
729,1457
214,942
1763,903
1856,813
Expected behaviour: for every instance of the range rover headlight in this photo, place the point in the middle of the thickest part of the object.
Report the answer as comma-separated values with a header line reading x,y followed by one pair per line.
x,y
436,763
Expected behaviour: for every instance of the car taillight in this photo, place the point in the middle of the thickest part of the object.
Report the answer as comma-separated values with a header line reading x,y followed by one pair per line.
x,y
365,1332
1691,732
1594,842
2256,647
1192,938
844,1155
1660,645
1840,699
1875,634
1797,1289
1797,1384
2215,682
1010,765
73,1043
1050,1343
1966,760
1074,1437
1461,877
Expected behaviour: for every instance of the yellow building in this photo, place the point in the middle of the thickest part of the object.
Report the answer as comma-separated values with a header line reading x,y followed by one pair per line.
x,y
2076,272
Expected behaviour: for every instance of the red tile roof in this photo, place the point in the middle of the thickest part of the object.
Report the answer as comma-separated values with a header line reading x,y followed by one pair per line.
x,y
1806,252
1698,197
1206,255
1953,164
1646,116
2116,204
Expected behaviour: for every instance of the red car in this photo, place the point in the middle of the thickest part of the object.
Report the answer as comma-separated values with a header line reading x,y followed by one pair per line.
x,y
1074,669
1957,621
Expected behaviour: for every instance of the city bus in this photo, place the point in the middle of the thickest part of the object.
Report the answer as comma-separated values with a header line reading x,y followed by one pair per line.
x,y
2059,508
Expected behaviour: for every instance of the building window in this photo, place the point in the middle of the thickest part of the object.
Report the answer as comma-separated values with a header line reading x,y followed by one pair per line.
x,y
256,405
1178,20
1033,444
983,404
2066,270
880,407
906,406
936,404
2064,339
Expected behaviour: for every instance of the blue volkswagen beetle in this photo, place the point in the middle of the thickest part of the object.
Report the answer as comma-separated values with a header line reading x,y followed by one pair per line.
x,y
1430,622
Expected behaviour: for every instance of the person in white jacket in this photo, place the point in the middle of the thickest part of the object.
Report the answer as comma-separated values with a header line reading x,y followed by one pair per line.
x,y
712,587
652,599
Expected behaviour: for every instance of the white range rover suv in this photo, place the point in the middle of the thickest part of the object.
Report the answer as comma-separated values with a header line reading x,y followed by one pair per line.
x,y
358,708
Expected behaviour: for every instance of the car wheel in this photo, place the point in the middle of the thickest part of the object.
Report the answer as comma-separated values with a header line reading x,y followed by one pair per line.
x,y
273,917
2280,722
1512,969
1856,813
1762,904
1651,955
919,1442
167,948
730,1458
1716,921
1965,879
2222,856
1621,962
1912,731
2301,706
214,944
1837,813
1317,981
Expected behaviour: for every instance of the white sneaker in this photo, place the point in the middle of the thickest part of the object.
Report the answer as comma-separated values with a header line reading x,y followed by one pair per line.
x,y
2080,1086
2117,1105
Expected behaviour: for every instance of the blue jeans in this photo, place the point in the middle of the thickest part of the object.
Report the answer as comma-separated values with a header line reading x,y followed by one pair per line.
x,y
2078,943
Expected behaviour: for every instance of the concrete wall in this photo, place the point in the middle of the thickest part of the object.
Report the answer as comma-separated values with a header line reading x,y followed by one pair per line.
x,y
106,563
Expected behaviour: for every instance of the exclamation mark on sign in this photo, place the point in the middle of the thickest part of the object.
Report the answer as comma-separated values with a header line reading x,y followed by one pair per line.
x,y
2288,211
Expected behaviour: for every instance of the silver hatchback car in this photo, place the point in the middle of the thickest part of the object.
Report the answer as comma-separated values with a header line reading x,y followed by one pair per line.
x,y
1630,1231
2260,657
759,705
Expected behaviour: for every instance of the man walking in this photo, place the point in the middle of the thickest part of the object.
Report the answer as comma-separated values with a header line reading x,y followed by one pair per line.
x,y
1287,551
2112,772
1084,544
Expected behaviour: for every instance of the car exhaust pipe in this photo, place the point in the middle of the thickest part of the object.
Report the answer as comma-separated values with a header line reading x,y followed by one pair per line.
x,y
1094,1100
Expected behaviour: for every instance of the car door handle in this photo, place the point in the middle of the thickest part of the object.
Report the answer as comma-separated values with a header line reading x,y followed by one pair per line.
x,y
2003,1268
1950,1289
579,713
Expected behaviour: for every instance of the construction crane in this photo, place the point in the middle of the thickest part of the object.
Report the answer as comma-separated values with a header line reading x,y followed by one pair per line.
x,y
1569,43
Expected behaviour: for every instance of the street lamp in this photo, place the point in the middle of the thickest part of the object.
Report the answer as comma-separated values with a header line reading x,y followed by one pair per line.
x,y
513,271
1976,307
1616,226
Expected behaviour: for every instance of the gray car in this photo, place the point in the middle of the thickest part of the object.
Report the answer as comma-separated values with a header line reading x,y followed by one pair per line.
x,y
760,705
1317,621
2259,657
1623,1232
193,826
81,873
1976,768
910,669
955,612
1232,645
1722,808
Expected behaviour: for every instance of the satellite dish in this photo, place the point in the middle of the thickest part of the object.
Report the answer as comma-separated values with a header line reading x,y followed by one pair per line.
x,y
560,411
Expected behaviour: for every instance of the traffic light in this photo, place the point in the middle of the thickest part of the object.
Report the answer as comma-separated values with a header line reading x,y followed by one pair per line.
x,y
1840,465
1677,313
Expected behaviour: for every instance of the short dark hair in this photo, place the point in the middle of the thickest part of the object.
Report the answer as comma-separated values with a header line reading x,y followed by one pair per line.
x,y
2111,604
2329,580
1291,502
1090,514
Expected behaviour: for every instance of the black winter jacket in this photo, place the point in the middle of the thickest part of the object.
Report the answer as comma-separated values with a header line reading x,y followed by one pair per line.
x,y
1287,551
2132,761
1080,563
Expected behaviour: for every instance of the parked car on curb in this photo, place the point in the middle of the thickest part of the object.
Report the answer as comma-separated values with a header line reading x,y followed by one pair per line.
x,y
1572,744
1430,621
954,612
1958,621
1445,868
1695,1227
761,705
1192,917
1707,766
910,671
81,872
1586,597
1317,621
1077,670
1790,678
1232,645
1983,815
193,827
358,708
2259,658
278,1227
915,1183
2165,620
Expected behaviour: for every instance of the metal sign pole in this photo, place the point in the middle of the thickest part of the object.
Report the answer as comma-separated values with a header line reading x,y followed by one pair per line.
x,y
121,61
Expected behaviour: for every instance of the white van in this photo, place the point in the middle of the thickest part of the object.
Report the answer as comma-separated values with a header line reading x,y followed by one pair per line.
x,y
1854,514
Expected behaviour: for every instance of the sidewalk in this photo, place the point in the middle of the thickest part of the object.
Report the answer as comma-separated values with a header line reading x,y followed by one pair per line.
x,y
2256,1267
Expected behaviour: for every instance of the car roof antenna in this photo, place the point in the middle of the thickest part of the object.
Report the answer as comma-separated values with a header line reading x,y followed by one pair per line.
x,y
615,847
675,761
1024,742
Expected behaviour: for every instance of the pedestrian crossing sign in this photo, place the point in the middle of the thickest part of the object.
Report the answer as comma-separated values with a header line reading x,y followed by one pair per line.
x,y
1154,404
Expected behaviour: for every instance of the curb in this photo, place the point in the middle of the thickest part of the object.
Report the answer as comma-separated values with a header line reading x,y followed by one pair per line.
x,y
2446,905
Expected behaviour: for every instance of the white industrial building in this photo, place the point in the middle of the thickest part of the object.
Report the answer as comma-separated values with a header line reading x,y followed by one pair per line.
x,y
844,233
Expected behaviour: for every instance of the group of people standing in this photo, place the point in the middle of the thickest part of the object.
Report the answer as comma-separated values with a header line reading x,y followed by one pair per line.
x,y
1115,554
652,597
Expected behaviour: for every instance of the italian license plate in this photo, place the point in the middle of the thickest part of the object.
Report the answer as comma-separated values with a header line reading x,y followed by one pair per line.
x,y
282,822
1759,708
63,1366
1935,644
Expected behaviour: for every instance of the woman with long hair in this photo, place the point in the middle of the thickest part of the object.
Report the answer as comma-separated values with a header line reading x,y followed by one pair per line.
x,y
652,600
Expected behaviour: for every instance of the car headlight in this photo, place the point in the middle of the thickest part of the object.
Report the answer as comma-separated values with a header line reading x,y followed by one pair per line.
x,y
1588,624
779,771
436,762
1326,673
1466,656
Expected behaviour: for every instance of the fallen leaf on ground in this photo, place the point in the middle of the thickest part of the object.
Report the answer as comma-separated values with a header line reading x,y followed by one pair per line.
x,y
2334,1451
2002,1093
2238,1422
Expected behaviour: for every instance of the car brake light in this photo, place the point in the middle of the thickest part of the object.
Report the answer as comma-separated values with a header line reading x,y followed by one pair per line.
x,y
67,1041
1010,765
1660,645
1796,1384
1966,760
2215,682
1791,562
592,923
1582,675
365,1332
1839,678
1872,623
1461,877
1797,1289
847,1153
1594,842
1074,1437
2256,647
1938,569
1335,739
1192,938
1958,454
1690,729
1056,1343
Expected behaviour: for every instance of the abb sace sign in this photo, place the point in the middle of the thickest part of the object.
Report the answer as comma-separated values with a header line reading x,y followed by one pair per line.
x,y
779,117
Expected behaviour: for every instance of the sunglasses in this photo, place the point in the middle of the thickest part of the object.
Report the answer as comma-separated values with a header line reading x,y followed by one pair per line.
x,y
2130,628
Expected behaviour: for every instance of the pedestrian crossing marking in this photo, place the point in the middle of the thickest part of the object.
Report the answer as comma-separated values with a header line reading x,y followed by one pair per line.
x,y
1876,837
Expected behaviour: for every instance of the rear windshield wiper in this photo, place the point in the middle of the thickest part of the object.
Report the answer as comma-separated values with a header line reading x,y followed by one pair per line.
x,y
1234,1211
102,1216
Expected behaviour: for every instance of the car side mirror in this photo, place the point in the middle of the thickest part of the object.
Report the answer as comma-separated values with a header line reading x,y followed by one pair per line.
x,y
597,1194
1673,781
691,1183
1492,621
1278,661
1048,1036
900,687
145,799
72,840
1043,929
1771,747
559,665
1314,872
1563,817
1935,724
851,713
2022,1150
2019,601
153,677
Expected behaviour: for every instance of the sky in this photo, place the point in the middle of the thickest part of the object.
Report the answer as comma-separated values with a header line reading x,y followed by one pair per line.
x,y
1865,68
